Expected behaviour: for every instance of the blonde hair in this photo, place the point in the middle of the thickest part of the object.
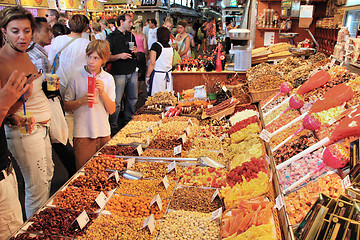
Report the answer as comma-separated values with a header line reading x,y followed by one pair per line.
x,y
96,26
101,47
137,27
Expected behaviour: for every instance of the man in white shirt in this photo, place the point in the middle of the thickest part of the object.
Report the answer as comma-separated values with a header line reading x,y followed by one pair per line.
x,y
152,32
146,28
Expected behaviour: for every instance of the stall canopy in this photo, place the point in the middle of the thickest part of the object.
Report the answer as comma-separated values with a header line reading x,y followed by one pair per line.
x,y
37,3
70,5
94,6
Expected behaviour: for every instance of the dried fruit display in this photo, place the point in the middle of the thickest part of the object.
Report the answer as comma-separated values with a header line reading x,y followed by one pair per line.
x,y
145,188
202,176
103,162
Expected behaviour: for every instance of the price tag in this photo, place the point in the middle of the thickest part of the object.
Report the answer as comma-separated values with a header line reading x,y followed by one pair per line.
x,y
162,115
101,200
210,106
346,182
226,125
187,130
139,149
333,62
150,223
267,159
156,200
149,129
190,122
216,193
116,175
222,137
159,123
265,135
224,88
351,194
147,140
178,96
232,100
177,150
171,166
279,203
223,116
165,182
82,219
183,138
130,163
216,214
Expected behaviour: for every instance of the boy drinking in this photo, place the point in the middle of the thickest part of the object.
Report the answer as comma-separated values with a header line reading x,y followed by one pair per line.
x,y
91,107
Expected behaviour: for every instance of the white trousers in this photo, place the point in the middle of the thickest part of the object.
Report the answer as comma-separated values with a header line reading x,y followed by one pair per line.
x,y
10,208
33,155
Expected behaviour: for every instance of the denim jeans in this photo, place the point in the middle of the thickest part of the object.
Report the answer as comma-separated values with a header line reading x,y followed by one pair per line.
x,y
126,83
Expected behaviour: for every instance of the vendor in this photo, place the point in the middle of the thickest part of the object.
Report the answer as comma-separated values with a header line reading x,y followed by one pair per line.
x,y
158,74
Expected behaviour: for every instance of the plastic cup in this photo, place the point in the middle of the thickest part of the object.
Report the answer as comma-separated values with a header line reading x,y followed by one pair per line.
x,y
131,45
25,122
91,88
51,80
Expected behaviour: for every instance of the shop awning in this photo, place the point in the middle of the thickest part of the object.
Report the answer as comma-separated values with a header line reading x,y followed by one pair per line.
x,y
37,3
7,2
70,5
181,10
94,6
117,2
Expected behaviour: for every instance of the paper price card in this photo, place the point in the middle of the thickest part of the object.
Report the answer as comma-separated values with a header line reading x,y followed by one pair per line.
x,y
150,223
190,122
162,115
210,106
101,200
183,138
346,182
147,140
165,182
279,202
216,193
351,194
159,123
130,163
224,88
222,117
139,149
177,150
171,166
232,100
115,174
265,135
156,200
187,130
216,214
82,219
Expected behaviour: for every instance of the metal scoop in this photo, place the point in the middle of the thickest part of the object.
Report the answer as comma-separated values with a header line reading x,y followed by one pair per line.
x,y
131,174
210,162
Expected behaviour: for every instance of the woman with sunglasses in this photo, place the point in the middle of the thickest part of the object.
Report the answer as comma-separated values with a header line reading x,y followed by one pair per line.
x,y
31,150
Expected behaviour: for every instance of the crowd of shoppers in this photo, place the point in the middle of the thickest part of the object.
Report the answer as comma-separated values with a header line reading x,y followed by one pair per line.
x,y
119,55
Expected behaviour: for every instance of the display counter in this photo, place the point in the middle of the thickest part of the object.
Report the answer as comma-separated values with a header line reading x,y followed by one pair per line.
x,y
186,80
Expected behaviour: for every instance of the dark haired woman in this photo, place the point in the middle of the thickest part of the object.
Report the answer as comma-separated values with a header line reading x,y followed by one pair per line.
x,y
158,74
31,150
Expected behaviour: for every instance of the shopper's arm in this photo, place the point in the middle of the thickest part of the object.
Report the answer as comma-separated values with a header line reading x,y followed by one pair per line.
x,y
151,66
72,105
108,103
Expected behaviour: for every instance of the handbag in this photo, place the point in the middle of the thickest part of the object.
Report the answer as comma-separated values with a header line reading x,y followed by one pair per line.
x,y
56,63
58,126
176,58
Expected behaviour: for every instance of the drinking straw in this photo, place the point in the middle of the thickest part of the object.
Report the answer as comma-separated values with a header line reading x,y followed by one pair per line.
x,y
23,100
53,69
130,37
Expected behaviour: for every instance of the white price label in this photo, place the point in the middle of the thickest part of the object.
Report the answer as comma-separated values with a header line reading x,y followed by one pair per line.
x,y
162,115
346,182
216,214
267,159
183,138
279,203
101,200
159,123
222,137
130,163
177,150
147,140
165,182
232,100
265,135
332,121
156,200
116,175
224,88
210,106
216,193
351,194
171,166
187,130
150,223
139,149
333,61
190,122
82,219
223,116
